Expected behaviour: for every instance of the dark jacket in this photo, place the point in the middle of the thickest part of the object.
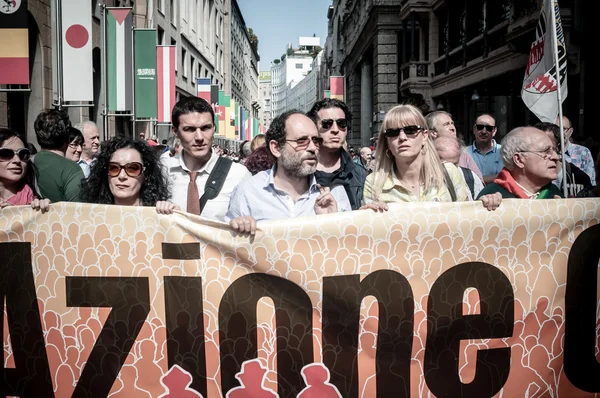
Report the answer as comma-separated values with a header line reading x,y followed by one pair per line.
x,y
351,175
493,188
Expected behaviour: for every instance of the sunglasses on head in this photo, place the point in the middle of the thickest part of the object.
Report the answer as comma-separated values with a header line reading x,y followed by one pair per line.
x,y
7,154
485,126
327,123
132,169
409,131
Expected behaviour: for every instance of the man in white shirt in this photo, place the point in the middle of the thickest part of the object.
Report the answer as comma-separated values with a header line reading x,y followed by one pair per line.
x,y
189,172
290,188
90,147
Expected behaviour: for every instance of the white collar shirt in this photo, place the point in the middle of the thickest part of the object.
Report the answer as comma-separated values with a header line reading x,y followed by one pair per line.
x,y
260,198
179,178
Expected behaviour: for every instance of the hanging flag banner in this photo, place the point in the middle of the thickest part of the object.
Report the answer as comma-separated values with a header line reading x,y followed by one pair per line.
x,y
76,44
336,87
14,42
214,94
204,90
144,44
432,299
165,82
119,58
327,94
540,86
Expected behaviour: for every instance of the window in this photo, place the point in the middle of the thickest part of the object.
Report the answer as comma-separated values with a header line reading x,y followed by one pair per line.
x,y
161,36
298,66
173,11
184,62
193,68
174,43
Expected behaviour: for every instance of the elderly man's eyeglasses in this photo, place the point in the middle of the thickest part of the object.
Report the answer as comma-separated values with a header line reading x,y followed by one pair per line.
x,y
546,154
409,131
485,126
327,123
303,142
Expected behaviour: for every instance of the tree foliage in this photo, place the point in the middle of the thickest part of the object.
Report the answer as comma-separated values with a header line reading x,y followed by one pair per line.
x,y
253,39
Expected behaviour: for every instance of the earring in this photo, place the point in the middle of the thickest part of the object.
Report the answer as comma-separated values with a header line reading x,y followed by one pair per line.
x,y
423,149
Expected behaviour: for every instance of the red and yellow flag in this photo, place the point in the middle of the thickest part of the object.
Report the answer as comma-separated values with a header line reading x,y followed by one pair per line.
x,y
14,42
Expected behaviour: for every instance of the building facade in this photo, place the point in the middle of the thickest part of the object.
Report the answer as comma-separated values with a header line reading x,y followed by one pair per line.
x,y
243,59
304,94
197,28
264,98
467,57
293,67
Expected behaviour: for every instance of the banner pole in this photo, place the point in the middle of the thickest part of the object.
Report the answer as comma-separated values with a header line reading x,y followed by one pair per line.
x,y
556,9
104,82
59,53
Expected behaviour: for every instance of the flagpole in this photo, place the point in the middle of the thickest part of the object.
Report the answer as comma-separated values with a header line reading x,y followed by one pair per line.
x,y
555,9
103,73
59,53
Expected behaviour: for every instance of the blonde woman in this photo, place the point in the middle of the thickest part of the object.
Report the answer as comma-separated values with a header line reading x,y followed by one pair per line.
x,y
408,168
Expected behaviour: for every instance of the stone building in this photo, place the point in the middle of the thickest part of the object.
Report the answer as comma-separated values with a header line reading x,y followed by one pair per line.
x,y
464,56
242,62
264,98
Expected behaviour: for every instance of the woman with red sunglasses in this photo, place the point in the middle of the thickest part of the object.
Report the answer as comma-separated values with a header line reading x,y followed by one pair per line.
x,y
17,174
128,173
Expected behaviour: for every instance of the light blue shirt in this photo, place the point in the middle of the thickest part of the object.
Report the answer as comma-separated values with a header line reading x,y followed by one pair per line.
x,y
258,197
86,167
489,163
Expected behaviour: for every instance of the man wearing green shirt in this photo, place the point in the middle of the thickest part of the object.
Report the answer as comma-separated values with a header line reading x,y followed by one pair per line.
x,y
59,178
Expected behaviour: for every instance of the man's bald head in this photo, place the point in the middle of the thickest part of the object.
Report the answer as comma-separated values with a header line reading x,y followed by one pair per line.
x,y
448,149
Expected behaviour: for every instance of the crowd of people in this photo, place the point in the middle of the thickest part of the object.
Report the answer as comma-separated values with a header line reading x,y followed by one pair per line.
x,y
302,166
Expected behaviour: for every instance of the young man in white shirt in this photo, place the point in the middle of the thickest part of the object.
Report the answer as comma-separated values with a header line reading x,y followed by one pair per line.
x,y
290,188
193,122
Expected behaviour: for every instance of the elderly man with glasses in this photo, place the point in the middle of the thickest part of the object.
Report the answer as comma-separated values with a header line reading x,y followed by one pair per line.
x,y
530,165
336,168
485,151
290,188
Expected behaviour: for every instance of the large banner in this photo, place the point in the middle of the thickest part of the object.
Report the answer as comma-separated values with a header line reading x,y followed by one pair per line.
x,y
425,300
145,60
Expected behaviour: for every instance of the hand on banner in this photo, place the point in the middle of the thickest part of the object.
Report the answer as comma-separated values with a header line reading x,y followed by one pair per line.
x,y
244,225
375,206
491,201
42,205
325,202
165,207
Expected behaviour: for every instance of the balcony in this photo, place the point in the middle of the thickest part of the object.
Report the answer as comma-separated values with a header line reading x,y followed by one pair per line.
x,y
415,73
422,7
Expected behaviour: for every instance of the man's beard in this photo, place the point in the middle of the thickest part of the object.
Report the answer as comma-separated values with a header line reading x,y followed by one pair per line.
x,y
294,165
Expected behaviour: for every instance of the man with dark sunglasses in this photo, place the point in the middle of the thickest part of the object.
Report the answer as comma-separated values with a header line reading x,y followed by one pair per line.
x,y
290,188
485,151
332,118
59,178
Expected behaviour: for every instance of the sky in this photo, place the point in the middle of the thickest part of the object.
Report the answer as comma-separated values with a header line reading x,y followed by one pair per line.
x,y
279,22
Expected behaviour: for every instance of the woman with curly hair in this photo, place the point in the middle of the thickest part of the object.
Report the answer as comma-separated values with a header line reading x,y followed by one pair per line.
x,y
18,174
128,173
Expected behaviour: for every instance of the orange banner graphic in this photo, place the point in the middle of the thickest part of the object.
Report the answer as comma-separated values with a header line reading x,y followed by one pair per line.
x,y
440,299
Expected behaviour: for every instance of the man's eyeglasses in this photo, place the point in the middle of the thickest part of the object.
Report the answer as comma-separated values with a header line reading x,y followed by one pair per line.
x,y
485,126
133,169
409,131
303,142
327,123
546,154
7,154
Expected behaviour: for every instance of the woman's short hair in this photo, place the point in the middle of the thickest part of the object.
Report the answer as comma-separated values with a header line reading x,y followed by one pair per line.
x,y
75,135
259,160
155,186
257,142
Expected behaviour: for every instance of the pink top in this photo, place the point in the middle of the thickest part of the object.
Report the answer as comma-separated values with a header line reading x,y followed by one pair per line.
x,y
467,162
24,197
